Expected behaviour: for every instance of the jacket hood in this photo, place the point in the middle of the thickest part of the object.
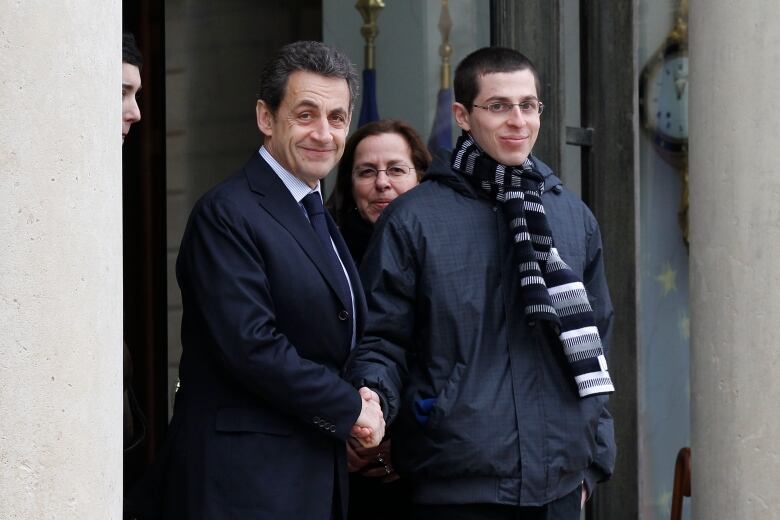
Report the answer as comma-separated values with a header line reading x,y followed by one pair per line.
x,y
441,171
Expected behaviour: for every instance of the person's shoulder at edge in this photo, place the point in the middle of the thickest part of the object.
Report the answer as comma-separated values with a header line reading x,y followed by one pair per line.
x,y
411,205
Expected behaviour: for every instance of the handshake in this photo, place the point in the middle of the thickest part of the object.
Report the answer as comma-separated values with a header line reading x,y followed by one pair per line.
x,y
370,426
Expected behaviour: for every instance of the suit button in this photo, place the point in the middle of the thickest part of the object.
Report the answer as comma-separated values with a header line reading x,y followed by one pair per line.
x,y
316,420
332,429
343,315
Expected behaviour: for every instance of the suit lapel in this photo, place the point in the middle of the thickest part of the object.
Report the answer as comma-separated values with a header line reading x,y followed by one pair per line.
x,y
280,204
354,276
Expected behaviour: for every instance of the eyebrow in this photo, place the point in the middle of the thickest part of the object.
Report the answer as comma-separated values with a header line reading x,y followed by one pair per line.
x,y
503,99
305,103
390,162
308,103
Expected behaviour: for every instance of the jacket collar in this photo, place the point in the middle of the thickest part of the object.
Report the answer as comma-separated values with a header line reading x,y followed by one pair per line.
x,y
441,171
277,200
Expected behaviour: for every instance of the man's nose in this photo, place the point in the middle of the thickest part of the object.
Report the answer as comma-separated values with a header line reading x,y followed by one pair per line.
x,y
321,130
516,116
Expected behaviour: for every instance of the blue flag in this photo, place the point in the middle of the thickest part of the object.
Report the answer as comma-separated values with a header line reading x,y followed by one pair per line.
x,y
441,133
368,111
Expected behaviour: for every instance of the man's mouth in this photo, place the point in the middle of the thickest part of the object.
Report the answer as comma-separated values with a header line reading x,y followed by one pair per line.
x,y
514,138
318,151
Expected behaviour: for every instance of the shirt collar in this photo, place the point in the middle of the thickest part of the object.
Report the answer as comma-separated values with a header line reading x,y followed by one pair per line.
x,y
297,188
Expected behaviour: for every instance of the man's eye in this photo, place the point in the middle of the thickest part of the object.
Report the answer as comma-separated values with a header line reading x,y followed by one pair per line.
x,y
528,106
497,107
337,120
305,116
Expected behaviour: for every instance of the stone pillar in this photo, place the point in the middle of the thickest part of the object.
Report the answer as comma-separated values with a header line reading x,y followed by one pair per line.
x,y
735,246
60,260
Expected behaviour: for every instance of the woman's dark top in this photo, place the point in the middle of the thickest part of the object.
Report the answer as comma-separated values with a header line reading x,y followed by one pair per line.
x,y
369,498
356,233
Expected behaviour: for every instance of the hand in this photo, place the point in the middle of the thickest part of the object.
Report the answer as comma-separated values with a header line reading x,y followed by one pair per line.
x,y
357,458
383,468
370,426
584,495
371,462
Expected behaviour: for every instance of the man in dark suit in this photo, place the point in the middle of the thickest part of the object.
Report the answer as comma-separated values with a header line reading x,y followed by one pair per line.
x,y
273,307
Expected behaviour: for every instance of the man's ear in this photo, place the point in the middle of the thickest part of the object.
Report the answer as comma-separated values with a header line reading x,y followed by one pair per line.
x,y
264,118
462,116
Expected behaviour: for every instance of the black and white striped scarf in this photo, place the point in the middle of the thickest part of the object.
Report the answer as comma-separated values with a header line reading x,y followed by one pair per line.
x,y
549,289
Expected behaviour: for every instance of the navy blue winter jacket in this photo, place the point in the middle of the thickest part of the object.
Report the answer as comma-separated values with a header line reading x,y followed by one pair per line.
x,y
483,406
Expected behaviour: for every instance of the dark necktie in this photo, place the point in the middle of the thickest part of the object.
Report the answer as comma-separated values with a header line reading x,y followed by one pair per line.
x,y
313,205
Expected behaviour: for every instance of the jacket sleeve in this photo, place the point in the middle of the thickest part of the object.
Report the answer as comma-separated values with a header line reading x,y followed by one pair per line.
x,y
222,274
389,274
598,292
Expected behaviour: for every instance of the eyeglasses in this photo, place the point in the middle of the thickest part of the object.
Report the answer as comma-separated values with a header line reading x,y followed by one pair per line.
x,y
366,173
528,108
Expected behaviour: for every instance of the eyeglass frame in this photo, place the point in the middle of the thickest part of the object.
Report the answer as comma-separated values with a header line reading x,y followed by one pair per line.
x,y
410,169
511,105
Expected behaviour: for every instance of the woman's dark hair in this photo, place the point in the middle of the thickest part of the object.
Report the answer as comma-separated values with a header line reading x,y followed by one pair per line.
x,y
341,201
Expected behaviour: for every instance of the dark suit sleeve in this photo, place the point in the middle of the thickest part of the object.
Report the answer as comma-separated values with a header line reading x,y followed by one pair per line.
x,y
222,273
389,276
596,284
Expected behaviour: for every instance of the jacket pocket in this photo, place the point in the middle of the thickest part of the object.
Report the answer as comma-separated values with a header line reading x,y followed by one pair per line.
x,y
252,420
445,400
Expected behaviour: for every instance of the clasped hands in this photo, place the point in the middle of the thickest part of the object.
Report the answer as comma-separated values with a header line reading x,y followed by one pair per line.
x,y
370,426
364,451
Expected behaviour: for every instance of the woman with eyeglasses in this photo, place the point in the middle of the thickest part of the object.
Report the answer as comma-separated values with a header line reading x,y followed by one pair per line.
x,y
381,161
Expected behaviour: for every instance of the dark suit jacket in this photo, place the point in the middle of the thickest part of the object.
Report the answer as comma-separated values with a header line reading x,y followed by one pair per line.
x,y
261,419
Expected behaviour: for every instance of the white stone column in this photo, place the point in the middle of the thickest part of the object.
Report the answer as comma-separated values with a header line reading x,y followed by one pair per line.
x,y
60,260
735,258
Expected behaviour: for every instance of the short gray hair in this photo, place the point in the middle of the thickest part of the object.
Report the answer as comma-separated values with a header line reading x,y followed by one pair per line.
x,y
308,56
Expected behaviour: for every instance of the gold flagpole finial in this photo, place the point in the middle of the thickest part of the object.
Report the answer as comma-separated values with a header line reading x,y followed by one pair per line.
x,y
445,49
369,10
680,31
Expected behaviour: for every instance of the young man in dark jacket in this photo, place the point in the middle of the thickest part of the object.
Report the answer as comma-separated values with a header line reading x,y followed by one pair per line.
x,y
488,318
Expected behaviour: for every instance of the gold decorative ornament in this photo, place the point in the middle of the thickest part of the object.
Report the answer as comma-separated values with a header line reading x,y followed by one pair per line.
x,y
369,10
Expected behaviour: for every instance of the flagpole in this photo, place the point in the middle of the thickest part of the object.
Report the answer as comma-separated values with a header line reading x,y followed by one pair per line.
x,y
445,49
369,10
441,133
